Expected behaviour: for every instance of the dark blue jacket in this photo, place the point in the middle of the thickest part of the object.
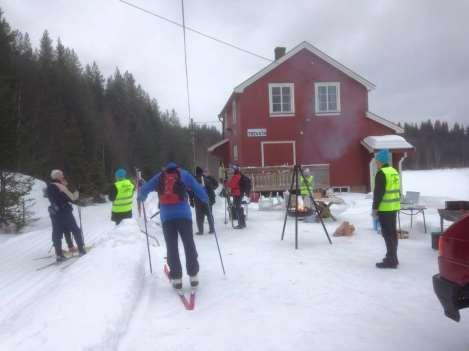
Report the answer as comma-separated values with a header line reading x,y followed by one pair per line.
x,y
59,202
182,209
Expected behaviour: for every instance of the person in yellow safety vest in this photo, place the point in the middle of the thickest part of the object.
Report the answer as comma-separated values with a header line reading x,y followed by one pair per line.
x,y
386,203
121,194
304,185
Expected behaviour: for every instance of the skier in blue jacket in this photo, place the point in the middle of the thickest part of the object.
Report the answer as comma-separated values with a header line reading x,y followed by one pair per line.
x,y
172,185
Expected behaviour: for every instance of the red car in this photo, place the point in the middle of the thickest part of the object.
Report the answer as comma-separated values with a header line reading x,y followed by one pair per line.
x,y
452,284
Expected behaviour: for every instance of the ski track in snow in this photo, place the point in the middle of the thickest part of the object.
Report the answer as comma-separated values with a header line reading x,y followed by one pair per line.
x,y
320,297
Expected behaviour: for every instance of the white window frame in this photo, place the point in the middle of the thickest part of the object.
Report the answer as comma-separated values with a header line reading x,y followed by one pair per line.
x,y
235,152
233,112
282,113
339,188
316,99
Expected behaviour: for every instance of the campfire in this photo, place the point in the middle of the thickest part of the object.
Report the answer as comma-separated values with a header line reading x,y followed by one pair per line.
x,y
301,211
298,208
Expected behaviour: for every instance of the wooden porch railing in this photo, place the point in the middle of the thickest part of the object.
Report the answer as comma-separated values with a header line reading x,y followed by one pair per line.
x,y
279,178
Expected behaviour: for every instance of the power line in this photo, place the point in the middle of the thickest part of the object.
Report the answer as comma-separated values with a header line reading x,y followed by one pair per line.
x,y
207,122
185,58
187,83
195,30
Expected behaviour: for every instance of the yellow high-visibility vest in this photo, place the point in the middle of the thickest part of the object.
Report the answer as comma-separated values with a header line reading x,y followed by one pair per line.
x,y
305,184
124,197
392,193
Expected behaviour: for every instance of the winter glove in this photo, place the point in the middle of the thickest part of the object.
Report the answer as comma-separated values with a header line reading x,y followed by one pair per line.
x,y
374,214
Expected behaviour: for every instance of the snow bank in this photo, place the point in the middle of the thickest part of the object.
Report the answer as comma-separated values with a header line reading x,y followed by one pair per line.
x,y
445,183
88,304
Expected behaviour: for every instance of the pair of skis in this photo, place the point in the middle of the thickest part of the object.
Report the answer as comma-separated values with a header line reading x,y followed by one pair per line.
x,y
189,304
63,264
69,260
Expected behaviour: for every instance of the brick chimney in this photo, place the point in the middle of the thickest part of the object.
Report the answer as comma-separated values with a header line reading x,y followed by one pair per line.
x,y
279,52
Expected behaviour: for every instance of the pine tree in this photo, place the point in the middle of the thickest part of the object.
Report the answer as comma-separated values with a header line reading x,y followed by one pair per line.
x,y
57,114
14,204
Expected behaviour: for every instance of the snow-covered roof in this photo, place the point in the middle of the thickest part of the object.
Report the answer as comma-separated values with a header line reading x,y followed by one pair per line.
x,y
214,146
391,142
305,45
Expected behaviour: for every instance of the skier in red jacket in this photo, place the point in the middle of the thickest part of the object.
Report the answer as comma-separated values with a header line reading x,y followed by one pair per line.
x,y
235,189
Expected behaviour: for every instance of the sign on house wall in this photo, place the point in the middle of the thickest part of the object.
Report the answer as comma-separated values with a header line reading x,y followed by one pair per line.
x,y
257,132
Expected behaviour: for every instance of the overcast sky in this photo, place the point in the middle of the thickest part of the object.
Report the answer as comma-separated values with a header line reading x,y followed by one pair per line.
x,y
415,52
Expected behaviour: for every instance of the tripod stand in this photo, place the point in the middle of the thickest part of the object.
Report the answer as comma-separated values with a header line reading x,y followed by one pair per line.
x,y
295,189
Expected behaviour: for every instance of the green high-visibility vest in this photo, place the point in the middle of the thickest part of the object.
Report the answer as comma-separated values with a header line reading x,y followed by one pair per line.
x,y
304,185
124,197
392,193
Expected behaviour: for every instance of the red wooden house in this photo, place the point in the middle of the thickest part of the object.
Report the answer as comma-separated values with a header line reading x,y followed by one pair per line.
x,y
307,108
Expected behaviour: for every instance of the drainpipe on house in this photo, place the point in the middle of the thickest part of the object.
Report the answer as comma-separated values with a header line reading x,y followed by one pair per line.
x,y
371,169
400,168
220,118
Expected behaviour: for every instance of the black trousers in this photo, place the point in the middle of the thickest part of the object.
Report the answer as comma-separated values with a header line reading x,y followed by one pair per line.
x,y
65,223
117,217
389,231
55,228
239,210
171,229
202,210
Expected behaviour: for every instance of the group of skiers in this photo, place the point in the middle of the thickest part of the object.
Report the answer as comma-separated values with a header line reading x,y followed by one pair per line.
x,y
175,186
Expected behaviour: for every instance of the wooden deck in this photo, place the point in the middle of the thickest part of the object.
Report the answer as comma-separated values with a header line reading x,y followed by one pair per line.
x,y
279,178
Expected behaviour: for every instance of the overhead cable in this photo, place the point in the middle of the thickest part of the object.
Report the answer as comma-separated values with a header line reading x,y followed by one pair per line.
x,y
195,30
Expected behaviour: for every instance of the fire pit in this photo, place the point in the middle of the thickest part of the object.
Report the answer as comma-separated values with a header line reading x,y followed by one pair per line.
x,y
302,212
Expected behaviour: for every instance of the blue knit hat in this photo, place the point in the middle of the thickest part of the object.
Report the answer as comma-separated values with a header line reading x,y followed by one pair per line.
x,y
170,165
120,173
382,156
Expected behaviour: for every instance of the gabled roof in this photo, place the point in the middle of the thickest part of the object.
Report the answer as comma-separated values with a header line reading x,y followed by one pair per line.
x,y
384,122
212,148
305,45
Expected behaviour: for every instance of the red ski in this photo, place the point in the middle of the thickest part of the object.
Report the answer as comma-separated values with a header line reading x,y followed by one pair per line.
x,y
188,304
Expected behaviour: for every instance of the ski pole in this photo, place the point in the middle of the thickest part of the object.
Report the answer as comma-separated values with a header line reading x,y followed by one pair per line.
x,y
79,217
81,227
138,175
216,239
154,215
146,232
224,196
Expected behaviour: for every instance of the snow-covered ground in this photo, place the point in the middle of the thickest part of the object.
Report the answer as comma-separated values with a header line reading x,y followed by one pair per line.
x,y
273,297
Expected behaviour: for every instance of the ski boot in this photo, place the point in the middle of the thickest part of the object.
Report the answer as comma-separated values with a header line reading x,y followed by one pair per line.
x,y
194,280
176,283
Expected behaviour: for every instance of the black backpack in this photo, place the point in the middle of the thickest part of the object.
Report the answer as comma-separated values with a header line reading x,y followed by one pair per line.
x,y
245,185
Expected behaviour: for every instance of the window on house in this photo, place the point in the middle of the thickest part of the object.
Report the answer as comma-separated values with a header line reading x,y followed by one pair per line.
x,y
235,152
327,97
341,189
282,99
233,112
